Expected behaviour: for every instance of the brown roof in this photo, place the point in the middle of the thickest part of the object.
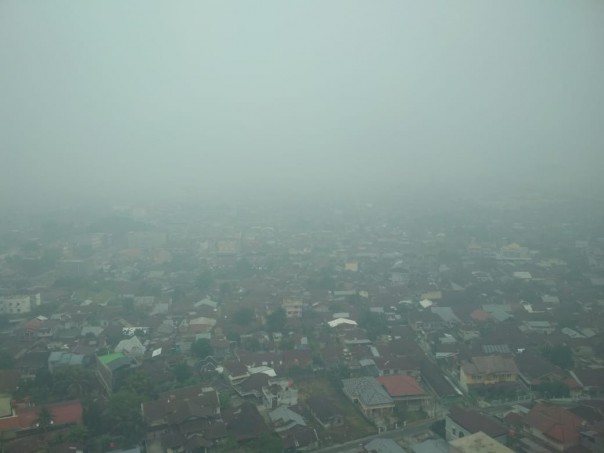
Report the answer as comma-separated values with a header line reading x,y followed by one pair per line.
x,y
490,364
400,385
245,422
535,367
474,421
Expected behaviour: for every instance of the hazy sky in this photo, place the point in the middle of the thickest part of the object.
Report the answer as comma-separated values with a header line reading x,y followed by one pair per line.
x,y
108,98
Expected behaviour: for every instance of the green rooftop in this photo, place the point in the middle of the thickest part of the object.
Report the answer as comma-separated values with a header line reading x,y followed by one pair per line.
x,y
108,358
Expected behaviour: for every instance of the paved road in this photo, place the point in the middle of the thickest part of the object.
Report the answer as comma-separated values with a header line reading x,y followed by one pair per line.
x,y
396,434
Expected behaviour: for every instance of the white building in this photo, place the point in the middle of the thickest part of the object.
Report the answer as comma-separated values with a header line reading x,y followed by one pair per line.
x,y
14,305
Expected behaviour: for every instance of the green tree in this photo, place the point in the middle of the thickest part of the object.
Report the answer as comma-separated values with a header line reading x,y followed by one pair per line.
x,y
373,323
202,348
243,316
267,442
560,355
275,322
78,434
138,383
182,371
225,399
7,361
204,281
92,416
123,416
74,382
554,389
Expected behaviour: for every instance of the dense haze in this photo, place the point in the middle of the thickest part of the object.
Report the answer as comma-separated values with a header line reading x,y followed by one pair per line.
x,y
115,100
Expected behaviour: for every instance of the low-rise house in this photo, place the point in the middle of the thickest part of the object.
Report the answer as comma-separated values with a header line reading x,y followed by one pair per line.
x,y
535,370
553,425
390,365
405,391
179,407
478,443
24,418
324,411
382,446
488,370
245,423
591,379
252,386
371,397
235,371
279,392
57,359
131,347
461,422
283,419
299,438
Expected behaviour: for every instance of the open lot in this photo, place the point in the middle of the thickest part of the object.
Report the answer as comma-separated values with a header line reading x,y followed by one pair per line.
x,y
355,424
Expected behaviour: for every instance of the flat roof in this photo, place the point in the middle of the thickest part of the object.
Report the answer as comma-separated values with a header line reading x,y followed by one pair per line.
x,y
108,358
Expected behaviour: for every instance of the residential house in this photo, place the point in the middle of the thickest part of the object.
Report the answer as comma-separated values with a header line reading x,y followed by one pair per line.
x,y
477,443
24,418
299,438
279,392
382,446
58,359
284,418
131,347
369,395
488,370
188,411
535,370
405,391
245,422
391,364
555,426
461,422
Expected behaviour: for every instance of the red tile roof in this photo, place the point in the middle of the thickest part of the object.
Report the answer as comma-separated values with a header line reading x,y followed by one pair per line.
x,y
400,385
555,422
63,413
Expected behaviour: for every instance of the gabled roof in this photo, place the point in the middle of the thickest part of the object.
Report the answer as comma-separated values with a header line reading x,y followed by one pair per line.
x,y
284,415
245,422
474,421
555,422
367,390
400,385
490,364
534,367
383,446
